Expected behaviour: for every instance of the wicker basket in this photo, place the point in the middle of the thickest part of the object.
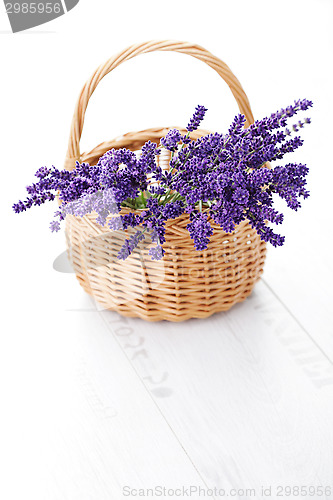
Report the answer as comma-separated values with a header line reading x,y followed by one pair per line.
x,y
186,283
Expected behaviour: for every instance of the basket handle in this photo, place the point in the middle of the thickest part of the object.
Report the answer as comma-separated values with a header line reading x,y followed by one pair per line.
x,y
73,152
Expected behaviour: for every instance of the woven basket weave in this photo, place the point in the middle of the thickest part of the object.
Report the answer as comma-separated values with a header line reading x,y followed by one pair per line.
x,y
186,283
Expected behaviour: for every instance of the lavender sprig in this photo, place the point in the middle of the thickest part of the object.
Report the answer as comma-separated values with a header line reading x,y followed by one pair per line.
x,y
219,177
196,119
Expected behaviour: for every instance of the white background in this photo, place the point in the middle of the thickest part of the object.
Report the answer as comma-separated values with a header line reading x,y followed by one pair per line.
x,y
59,361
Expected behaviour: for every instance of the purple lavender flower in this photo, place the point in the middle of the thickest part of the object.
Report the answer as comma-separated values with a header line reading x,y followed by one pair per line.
x,y
19,207
237,127
171,140
241,196
200,230
196,119
130,244
156,253
54,226
223,176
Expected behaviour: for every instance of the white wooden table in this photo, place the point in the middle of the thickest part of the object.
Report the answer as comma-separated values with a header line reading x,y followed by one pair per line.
x,y
232,404
95,406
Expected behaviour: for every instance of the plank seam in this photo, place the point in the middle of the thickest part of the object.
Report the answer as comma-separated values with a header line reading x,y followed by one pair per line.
x,y
296,320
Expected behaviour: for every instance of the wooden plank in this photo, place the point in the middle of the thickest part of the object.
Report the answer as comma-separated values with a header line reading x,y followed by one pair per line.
x,y
247,392
80,424
301,272
302,281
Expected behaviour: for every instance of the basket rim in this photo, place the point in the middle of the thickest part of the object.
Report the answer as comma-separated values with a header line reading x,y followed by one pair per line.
x,y
138,137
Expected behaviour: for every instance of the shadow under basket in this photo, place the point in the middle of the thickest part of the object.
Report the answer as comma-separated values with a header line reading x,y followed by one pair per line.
x,y
186,283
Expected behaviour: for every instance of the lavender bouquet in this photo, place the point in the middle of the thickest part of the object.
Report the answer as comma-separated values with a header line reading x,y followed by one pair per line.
x,y
223,178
